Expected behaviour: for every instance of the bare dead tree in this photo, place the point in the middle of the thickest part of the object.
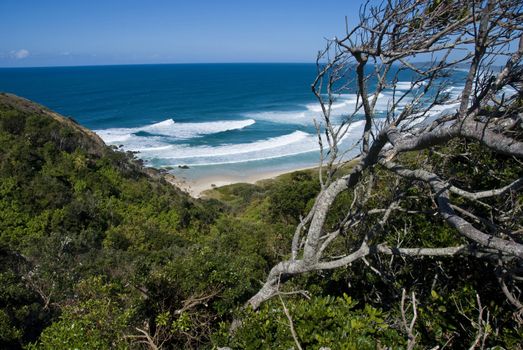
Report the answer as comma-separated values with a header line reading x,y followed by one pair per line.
x,y
368,61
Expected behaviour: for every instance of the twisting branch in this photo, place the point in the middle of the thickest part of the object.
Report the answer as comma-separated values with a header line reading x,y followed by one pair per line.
x,y
368,63
446,211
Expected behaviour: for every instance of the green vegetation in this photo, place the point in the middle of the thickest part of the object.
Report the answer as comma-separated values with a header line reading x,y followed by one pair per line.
x,y
334,322
97,252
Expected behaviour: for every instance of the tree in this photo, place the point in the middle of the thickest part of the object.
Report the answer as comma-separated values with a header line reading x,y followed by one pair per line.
x,y
370,58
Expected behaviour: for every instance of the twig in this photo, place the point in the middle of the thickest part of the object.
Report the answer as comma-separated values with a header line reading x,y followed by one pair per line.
x,y
291,324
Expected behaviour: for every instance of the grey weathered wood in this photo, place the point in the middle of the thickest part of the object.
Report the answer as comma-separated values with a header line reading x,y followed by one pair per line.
x,y
381,40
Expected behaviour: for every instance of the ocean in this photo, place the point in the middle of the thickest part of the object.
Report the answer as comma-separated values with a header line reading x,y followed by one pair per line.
x,y
197,120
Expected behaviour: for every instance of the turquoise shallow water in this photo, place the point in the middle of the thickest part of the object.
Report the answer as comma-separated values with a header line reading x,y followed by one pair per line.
x,y
218,119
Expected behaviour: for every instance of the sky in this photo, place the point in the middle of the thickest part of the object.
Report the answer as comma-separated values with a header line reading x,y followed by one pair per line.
x,y
100,32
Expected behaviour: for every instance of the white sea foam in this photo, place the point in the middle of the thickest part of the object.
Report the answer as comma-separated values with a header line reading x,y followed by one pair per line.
x,y
434,113
346,104
290,144
158,150
407,85
284,117
157,144
173,129
342,106
508,91
296,143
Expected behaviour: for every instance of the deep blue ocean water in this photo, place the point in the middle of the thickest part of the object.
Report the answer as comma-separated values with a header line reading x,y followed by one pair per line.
x,y
218,119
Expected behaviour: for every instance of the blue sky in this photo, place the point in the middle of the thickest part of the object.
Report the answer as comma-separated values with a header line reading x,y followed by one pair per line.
x,y
80,32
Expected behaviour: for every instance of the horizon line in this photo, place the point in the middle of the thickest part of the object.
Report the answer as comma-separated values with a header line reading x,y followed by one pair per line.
x,y
166,64
150,64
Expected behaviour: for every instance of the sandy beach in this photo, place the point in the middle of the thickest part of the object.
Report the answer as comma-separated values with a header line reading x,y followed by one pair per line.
x,y
196,187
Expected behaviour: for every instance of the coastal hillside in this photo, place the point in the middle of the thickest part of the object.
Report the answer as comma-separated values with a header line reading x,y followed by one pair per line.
x,y
97,254
225,176
67,134
72,210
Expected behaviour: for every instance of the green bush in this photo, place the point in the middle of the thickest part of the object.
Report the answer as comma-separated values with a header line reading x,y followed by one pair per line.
x,y
333,322
98,320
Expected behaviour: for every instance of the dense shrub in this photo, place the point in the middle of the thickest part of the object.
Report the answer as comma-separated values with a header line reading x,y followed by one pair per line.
x,y
92,248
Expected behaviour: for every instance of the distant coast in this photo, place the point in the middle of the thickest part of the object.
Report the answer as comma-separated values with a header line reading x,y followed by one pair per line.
x,y
196,188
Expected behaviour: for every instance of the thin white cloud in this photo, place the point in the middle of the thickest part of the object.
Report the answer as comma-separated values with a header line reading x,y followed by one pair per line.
x,y
19,54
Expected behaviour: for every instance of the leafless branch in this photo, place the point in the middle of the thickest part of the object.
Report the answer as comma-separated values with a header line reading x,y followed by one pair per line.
x,y
409,327
291,324
368,63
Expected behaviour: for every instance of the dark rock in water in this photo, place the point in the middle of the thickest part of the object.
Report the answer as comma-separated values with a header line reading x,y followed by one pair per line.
x,y
183,166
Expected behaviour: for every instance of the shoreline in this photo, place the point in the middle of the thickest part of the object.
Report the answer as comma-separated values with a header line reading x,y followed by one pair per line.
x,y
196,188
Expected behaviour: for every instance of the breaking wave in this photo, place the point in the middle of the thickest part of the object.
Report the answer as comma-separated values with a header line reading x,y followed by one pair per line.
x,y
294,143
170,128
167,143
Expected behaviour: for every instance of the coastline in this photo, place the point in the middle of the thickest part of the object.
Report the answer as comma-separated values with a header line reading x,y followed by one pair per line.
x,y
196,188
